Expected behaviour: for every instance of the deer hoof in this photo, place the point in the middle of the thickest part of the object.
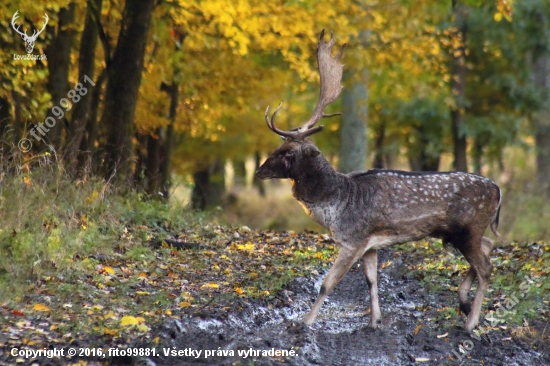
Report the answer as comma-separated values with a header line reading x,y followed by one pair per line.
x,y
375,324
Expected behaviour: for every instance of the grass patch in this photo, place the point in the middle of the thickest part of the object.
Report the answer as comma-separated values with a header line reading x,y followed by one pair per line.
x,y
49,221
520,282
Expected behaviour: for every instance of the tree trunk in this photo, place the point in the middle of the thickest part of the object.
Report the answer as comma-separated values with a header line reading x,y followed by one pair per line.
x,y
258,183
541,118
477,154
378,161
239,179
353,131
59,61
209,189
17,116
420,158
152,164
88,149
122,88
81,110
167,138
458,88
5,117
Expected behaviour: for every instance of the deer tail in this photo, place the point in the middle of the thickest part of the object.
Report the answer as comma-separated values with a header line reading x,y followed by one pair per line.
x,y
494,223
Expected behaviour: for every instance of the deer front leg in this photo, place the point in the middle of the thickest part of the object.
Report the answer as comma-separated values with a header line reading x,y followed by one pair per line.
x,y
370,262
344,261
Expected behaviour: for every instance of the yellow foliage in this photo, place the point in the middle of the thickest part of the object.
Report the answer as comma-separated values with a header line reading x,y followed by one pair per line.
x,y
248,246
40,307
129,320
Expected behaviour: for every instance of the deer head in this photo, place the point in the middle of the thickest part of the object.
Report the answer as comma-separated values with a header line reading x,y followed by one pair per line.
x,y
29,40
297,149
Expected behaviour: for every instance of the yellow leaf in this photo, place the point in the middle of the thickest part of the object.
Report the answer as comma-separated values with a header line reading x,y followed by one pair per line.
x,y
186,296
109,270
140,319
142,293
93,197
27,181
185,304
143,328
41,307
110,315
417,329
108,331
210,285
248,246
497,17
239,290
128,320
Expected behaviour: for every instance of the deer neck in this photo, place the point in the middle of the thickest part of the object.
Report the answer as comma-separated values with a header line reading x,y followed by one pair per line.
x,y
316,183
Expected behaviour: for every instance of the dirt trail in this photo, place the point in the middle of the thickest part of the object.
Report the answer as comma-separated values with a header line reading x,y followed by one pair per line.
x,y
340,336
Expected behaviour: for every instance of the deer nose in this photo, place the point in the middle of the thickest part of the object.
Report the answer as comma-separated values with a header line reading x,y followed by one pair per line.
x,y
260,173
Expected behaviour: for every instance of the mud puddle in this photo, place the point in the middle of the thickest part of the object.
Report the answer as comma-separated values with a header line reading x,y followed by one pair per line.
x,y
412,333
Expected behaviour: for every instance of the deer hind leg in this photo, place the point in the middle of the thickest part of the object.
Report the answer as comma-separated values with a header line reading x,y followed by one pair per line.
x,y
346,258
476,251
370,263
466,285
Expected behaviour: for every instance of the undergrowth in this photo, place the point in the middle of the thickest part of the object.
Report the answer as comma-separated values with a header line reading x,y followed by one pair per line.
x,y
519,290
48,221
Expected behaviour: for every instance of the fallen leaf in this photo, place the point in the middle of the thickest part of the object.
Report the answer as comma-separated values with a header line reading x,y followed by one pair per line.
x,y
108,331
248,246
41,307
129,320
210,285
109,270
417,329
143,328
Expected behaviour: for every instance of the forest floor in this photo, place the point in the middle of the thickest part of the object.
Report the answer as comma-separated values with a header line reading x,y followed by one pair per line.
x,y
237,296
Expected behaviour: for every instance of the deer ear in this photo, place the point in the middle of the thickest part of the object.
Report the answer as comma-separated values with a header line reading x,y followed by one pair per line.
x,y
310,150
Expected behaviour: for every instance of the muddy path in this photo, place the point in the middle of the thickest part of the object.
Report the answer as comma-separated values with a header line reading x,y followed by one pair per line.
x,y
413,331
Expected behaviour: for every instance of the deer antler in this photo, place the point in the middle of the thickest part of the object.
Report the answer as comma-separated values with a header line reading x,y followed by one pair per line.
x,y
36,34
13,24
330,71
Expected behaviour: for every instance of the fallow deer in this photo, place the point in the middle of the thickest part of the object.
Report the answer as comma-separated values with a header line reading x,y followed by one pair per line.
x,y
369,210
